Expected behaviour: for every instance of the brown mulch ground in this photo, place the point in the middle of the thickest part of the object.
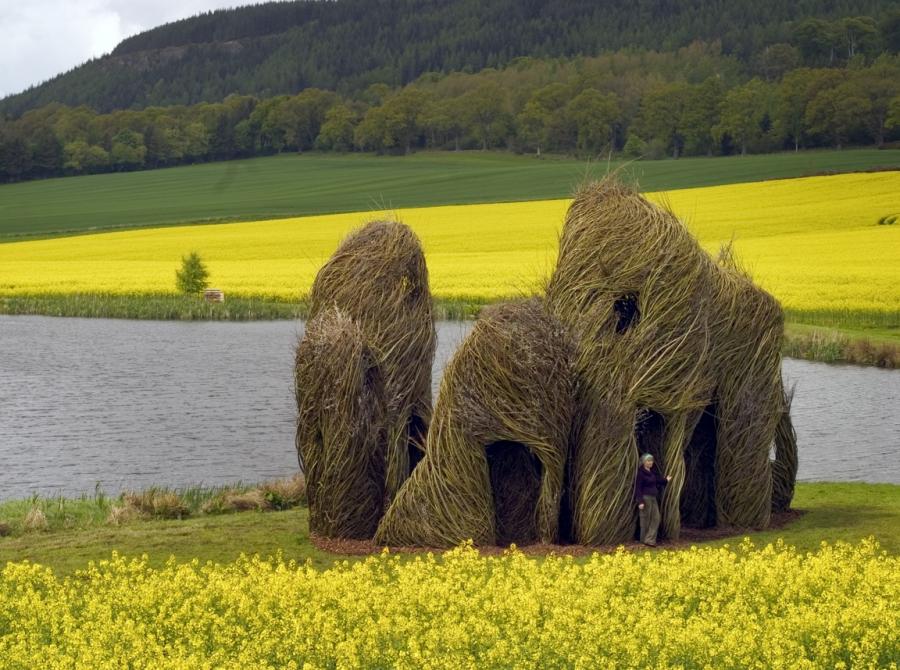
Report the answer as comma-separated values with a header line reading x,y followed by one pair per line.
x,y
689,537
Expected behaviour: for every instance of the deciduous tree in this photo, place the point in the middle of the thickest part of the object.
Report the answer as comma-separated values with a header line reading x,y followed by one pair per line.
x,y
663,116
336,133
742,113
192,277
485,114
595,116
79,156
128,150
837,112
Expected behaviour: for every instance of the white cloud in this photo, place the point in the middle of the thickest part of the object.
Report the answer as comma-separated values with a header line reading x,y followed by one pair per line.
x,y
42,38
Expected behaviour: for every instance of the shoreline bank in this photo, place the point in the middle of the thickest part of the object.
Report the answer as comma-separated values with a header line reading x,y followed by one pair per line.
x,y
813,342
172,307
82,530
872,347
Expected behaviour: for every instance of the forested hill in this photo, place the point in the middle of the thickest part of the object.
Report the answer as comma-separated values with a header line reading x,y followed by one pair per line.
x,y
346,45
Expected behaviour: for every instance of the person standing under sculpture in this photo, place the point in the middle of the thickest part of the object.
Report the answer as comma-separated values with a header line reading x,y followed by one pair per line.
x,y
647,486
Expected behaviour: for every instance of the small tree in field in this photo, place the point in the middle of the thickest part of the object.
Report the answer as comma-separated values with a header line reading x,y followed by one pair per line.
x,y
193,275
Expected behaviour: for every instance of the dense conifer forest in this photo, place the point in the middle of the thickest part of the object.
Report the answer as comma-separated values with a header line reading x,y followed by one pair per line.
x,y
647,78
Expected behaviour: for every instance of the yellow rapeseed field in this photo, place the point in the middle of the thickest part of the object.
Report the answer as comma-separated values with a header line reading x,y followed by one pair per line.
x,y
704,608
813,242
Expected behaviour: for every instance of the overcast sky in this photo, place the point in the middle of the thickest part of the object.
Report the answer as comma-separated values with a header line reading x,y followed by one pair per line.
x,y
42,38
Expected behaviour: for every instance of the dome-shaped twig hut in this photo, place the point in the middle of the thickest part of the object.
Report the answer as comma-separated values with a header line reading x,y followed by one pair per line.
x,y
495,457
678,355
378,281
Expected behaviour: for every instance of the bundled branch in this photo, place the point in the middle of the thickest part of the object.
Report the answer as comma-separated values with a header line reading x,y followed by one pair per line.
x,y
340,432
784,467
372,297
495,459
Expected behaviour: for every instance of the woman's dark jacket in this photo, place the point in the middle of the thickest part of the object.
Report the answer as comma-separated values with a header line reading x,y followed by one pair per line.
x,y
647,483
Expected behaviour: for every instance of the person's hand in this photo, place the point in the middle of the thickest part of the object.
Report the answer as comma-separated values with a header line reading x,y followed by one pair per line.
x,y
641,506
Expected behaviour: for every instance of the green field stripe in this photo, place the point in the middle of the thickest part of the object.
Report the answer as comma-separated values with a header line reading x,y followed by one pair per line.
x,y
298,185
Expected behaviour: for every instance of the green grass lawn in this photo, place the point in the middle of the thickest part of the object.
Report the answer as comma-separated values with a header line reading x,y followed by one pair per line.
x,y
862,344
848,512
292,185
876,335
840,511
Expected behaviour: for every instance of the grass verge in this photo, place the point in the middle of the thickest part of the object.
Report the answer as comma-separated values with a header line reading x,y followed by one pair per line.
x,y
38,513
171,307
833,511
163,307
879,347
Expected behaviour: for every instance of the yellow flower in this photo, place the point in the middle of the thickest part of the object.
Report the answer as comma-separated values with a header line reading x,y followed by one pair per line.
x,y
812,242
740,607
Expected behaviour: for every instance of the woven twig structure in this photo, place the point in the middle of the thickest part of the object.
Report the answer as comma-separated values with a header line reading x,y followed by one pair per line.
x,y
495,458
643,342
784,467
664,335
340,432
377,281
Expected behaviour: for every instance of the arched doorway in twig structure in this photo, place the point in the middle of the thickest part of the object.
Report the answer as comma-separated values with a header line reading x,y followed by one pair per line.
x,y
515,475
698,499
650,436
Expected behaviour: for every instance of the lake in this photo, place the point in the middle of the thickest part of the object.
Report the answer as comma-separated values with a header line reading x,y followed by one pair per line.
x,y
132,404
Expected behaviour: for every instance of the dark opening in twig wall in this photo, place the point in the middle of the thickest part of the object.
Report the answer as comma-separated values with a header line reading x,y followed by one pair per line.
x,y
650,434
698,499
627,312
515,475
417,430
